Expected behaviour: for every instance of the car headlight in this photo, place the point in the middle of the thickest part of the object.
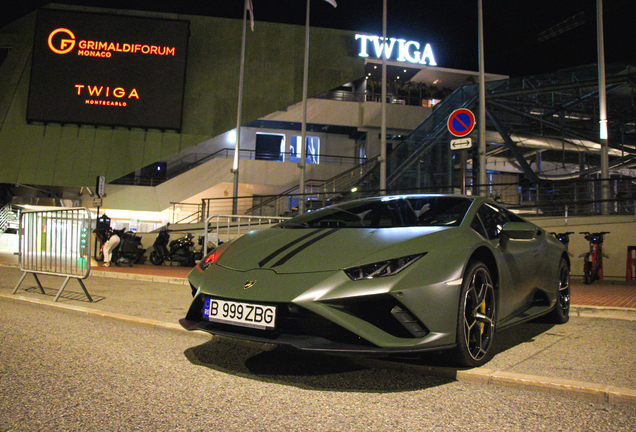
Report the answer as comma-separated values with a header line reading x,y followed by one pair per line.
x,y
382,268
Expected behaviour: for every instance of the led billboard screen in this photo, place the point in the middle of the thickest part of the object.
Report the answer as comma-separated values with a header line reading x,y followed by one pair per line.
x,y
112,70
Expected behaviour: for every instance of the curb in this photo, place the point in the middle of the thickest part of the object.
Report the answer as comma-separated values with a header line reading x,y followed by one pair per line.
x,y
628,314
129,276
140,277
599,393
578,389
85,310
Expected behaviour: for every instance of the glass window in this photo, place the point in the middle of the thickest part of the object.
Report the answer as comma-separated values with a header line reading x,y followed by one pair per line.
x,y
312,156
493,219
478,226
269,146
388,212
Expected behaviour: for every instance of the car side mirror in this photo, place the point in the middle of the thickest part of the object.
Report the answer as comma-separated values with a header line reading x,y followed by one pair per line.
x,y
517,231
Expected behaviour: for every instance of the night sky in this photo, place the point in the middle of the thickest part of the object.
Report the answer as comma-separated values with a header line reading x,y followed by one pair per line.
x,y
522,37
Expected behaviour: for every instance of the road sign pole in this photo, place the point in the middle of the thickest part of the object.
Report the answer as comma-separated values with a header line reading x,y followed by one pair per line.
x,y
96,222
463,159
461,123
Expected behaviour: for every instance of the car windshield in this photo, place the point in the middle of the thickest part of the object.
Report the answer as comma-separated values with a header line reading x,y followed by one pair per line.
x,y
387,212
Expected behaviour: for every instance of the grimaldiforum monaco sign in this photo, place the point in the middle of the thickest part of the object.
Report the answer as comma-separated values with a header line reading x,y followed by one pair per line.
x,y
399,49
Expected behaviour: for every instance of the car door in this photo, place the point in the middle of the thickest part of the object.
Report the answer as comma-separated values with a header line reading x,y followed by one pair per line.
x,y
519,263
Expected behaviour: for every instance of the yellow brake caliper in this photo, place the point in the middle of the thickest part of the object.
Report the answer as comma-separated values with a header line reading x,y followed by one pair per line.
x,y
482,309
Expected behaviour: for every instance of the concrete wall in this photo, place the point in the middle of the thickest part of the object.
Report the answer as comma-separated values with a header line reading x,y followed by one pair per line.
x,y
622,234
367,114
398,116
401,119
321,111
9,242
192,185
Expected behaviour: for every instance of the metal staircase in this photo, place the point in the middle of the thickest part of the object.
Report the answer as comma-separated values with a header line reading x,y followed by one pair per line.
x,y
318,193
419,161
548,120
8,219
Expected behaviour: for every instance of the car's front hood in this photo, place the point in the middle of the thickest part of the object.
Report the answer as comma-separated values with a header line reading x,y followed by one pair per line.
x,y
317,250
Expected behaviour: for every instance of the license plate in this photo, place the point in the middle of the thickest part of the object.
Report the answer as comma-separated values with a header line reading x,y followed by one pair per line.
x,y
241,314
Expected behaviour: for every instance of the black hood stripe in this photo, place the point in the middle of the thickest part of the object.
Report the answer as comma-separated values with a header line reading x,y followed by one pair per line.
x,y
290,255
287,246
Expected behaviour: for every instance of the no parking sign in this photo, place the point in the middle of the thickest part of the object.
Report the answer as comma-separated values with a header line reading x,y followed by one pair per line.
x,y
461,122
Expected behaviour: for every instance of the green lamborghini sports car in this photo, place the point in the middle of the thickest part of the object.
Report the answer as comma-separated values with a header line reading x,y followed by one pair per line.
x,y
385,275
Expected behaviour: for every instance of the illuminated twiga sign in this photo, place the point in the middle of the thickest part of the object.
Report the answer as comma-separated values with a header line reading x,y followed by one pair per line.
x,y
403,50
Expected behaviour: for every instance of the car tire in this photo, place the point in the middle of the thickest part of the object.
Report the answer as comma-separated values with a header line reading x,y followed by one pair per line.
x,y
476,319
561,312
155,258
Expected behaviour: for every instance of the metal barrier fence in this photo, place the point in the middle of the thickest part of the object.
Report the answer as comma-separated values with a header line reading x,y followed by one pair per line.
x,y
56,243
233,226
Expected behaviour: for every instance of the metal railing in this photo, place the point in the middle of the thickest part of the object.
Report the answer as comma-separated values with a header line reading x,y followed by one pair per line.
x,y
192,160
233,226
581,197
283,204
343,96
7,217
195,216
286,202
414,97
56,243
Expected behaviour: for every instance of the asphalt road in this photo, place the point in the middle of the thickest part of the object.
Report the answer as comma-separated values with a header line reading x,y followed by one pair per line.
x,y
66,370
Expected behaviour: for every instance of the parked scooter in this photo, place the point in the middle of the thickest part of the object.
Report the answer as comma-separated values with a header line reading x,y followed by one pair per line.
x,y
180,251
128,251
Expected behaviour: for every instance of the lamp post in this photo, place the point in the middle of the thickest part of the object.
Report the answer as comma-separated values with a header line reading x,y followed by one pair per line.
x,y
481,123
303,133
602,100
303,138
237,146
383,105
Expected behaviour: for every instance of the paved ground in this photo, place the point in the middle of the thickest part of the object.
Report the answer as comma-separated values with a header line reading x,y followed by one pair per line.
x,y
572,359
67,371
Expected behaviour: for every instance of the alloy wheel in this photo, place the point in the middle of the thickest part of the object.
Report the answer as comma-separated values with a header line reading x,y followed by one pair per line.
x,y
479,313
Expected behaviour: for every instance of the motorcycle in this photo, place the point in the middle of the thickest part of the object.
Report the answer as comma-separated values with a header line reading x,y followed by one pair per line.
x,y
128,251
180,250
